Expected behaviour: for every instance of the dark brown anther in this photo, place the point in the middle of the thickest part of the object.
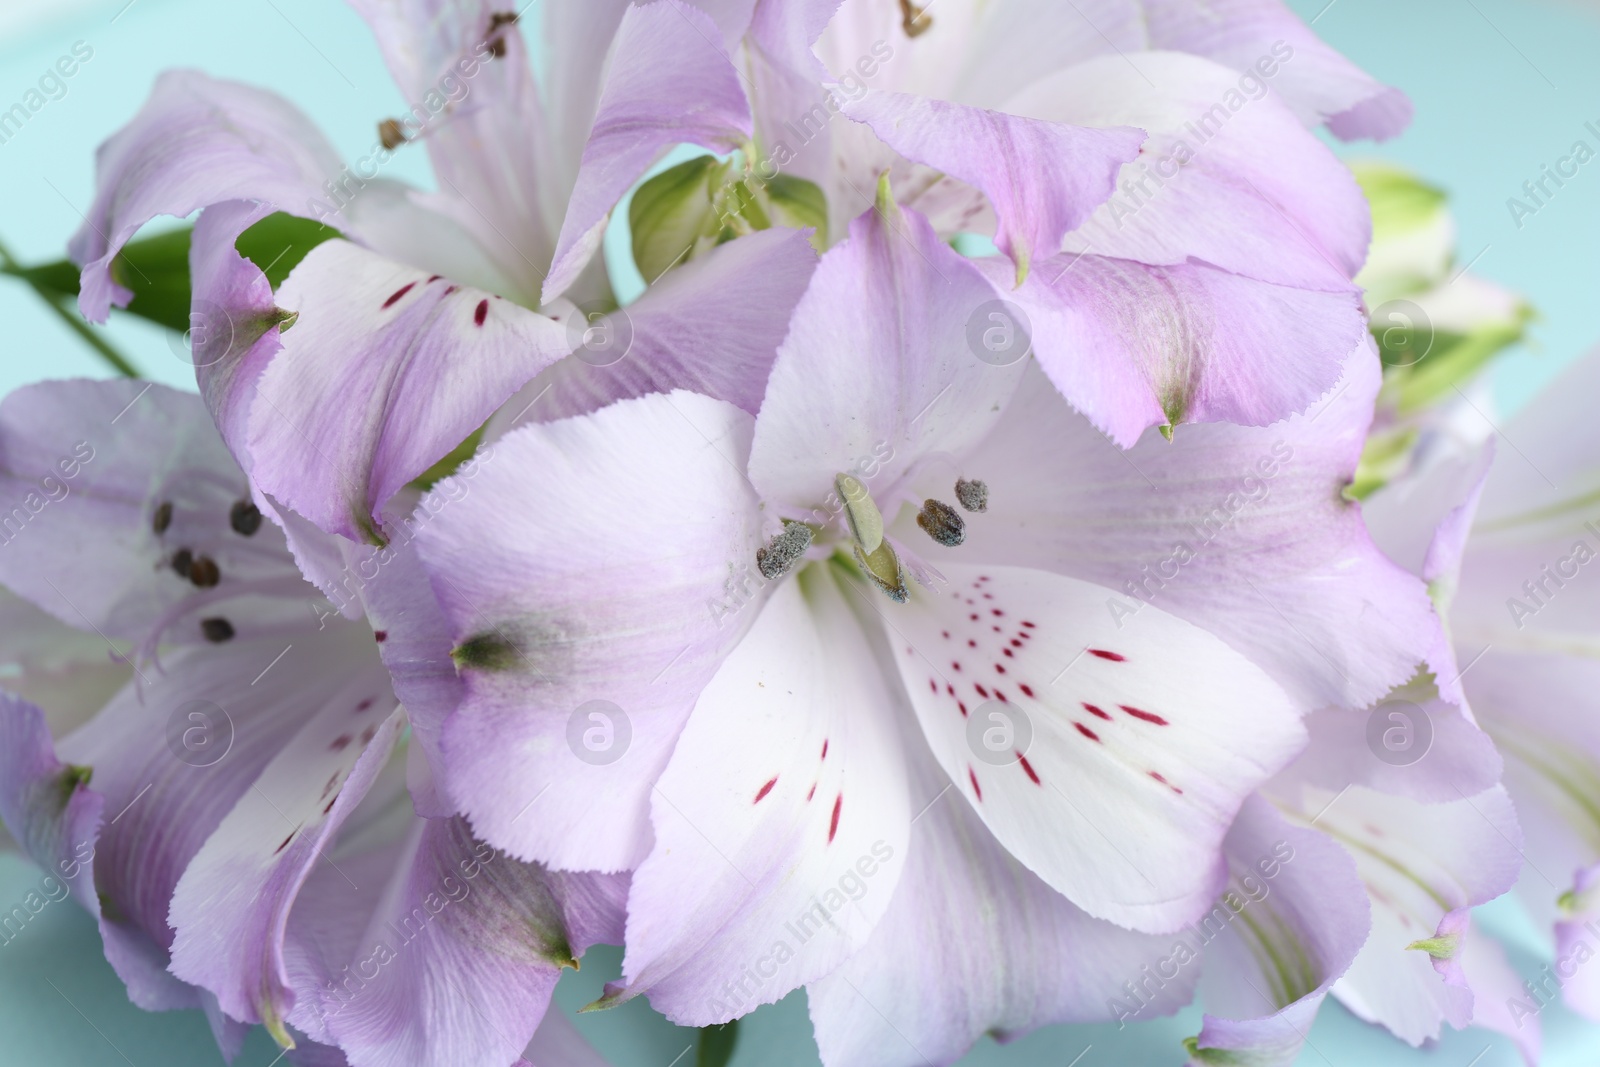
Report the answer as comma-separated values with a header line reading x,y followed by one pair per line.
x,y
496,37
182,560
245,518
162,518
942,522
973,495
204,573
914,20
391,134
216,630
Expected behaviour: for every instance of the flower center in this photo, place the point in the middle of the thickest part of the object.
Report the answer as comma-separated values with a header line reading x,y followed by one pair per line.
x,y
880,559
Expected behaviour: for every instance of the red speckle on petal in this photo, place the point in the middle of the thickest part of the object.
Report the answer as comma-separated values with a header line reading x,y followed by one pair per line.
x,y
1158,777
1098,712
482,313
811,792
364,705
340,743
972,776
973,616
824,748
368,734
971,643
1015,643
450,289
933,686
996,612
962,705
833,821
380,636
331,803
981,691
764,790
283,846
1008,653
999,668
1145,715
1001,696
954,665
1028,767
1114,657
1086,732
398,293
1028,624
946,634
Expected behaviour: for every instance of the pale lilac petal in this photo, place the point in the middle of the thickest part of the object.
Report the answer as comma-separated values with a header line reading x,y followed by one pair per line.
x,y
234,319
1426,749
575,40
46,804
465,926
197,141
480,118
1292,919
711,326
1241,530
1575,943
1500,1003
1144,740
1043,178
1133,345
557,1043
231,904
623,537
68,673
670,82
1535,708
974,943
385,371
89,464
1295,214
1420,863
1267,38
878,364
781,821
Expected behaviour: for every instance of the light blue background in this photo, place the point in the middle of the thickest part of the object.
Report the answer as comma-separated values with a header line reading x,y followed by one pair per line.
x,y
1500,88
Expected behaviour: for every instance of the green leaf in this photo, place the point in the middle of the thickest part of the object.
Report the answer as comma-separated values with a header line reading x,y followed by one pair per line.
x,y
717,1044
156,268
279,242
673,212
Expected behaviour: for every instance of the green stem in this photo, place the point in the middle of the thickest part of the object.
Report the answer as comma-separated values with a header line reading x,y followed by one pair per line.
x,y
74,322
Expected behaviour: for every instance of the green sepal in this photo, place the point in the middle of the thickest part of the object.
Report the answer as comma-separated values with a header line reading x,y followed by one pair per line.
x,y
674,212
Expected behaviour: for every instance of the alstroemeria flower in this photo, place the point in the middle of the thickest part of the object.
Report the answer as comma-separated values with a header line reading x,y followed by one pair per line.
x,y
385,349
808,619
238,815
1511,554
1099,152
